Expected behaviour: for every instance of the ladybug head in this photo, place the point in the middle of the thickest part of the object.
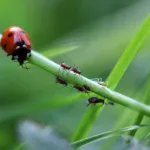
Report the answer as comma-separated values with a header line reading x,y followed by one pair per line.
x,y
20,43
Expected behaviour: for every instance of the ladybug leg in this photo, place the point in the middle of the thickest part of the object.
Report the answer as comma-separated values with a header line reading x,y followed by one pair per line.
x,y
24,66
13,58
28,51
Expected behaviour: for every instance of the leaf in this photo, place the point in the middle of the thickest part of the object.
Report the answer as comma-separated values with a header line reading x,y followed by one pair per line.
x,y
139,117
40,137
128,55
59,50
113,79
107,135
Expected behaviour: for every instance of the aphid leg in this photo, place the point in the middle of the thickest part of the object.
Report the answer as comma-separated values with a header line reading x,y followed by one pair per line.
x,y
58,71
88,104
71,89
88,93
109,102
97,79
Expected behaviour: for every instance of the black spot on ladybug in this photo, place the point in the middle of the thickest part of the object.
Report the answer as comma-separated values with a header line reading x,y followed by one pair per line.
x,y
5,45
10,34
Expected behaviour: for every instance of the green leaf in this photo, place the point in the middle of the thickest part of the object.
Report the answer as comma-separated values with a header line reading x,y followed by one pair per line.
x,y
59,50
113,79
128,55
107,135
139,117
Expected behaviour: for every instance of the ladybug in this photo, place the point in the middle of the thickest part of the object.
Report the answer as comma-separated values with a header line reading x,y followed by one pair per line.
x,y
16,43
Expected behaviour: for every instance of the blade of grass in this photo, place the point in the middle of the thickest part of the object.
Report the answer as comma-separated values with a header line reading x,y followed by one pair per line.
x,y
138,119
107,135
113,79
59,50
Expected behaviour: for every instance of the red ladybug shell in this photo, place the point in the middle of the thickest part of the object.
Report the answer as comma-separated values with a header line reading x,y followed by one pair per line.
x,y
11,36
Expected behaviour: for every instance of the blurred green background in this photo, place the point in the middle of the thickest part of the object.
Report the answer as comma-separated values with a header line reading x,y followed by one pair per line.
x,y
101,30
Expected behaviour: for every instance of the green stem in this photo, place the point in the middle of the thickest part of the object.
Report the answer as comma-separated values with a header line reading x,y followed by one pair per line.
x,y
48,65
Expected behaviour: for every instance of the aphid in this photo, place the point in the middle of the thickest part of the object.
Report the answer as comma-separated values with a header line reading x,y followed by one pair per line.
x,y
110,102
61,81
95,100
76,70
80,88
65,66
15,42
87,87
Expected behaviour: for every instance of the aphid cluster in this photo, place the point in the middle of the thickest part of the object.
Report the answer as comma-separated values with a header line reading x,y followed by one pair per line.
x,y
16,43
85,88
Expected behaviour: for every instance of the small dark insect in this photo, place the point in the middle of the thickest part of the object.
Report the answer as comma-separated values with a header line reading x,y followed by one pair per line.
x,y
87,87
65,66
80,88
95,100
61,81
76,70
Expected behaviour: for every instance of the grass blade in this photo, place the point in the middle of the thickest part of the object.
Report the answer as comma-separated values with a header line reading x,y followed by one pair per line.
x,y
128,55
59,50
107,135
138,119
113,79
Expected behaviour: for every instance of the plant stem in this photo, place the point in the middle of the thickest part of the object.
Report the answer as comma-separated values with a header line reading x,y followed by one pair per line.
x,y
50,66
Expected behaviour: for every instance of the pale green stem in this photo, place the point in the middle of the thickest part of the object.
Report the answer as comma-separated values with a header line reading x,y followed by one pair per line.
x,y
50,66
